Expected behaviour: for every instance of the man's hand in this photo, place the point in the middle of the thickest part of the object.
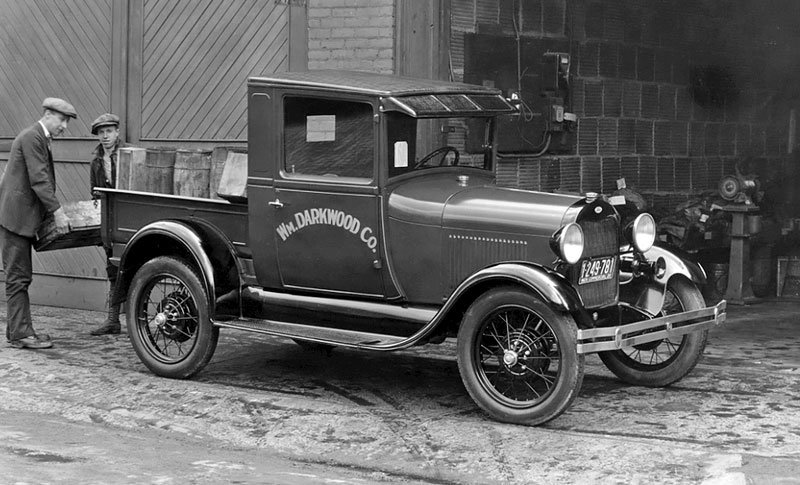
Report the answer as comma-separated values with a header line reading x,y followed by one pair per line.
x,y
62,221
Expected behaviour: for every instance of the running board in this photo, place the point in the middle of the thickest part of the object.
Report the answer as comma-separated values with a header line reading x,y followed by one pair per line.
x,y
320,335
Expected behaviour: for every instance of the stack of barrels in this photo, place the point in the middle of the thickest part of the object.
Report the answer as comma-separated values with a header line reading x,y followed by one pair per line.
x,y
183,172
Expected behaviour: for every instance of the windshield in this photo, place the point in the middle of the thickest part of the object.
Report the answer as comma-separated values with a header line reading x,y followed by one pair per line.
x,y
418,144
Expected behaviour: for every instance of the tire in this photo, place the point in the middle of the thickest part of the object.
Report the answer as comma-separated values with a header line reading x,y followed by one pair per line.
x,y
168,321
526,370
663,362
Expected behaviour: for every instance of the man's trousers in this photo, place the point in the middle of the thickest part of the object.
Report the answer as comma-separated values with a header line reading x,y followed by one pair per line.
x,y
18,266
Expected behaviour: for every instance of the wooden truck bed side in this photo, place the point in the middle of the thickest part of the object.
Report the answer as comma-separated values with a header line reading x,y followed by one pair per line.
x,y
128,211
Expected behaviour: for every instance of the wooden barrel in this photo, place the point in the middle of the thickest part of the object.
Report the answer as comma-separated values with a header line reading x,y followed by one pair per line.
x,y
192,173
138,172
160,167
128,159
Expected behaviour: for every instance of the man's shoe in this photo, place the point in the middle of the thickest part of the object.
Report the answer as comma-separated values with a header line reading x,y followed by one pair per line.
x,y
32,342
107,328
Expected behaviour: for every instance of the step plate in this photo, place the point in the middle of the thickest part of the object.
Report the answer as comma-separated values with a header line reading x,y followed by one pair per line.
x,y
331,336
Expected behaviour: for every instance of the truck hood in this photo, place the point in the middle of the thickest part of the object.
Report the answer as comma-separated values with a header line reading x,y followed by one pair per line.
x,y
477,204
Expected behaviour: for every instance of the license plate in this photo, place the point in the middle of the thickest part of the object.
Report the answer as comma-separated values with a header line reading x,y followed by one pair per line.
x,y
597,269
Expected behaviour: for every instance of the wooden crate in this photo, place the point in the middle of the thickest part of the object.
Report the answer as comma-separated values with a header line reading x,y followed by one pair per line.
x,y
233,182
84,228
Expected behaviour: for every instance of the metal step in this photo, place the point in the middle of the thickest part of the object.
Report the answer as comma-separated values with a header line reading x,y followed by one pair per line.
x,y
323,335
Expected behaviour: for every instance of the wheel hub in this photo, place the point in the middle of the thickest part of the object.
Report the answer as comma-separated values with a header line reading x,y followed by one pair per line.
x,y
170,322
160,319
527,353
510,358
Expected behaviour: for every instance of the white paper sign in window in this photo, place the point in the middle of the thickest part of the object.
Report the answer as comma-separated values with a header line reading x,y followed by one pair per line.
x,y
400,154
320,128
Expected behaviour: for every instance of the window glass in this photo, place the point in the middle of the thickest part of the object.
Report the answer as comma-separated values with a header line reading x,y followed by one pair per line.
x,y
328,138
416,144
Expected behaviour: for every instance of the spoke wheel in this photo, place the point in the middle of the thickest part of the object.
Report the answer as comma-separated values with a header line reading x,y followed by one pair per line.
x,y
662,362
168,319
517,357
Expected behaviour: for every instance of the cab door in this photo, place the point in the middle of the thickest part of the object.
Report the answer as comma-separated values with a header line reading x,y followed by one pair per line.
x,y
324,208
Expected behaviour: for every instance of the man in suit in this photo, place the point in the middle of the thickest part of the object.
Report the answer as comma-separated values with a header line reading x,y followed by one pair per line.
x,y
27,198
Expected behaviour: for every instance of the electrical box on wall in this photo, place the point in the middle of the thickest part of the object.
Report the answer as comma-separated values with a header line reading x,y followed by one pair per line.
x,y
555,72
537,73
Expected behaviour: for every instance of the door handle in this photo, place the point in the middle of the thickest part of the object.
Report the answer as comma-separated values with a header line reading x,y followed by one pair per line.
x,y
276,203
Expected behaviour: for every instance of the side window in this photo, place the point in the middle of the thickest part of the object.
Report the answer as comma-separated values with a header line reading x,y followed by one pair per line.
x,y
328,138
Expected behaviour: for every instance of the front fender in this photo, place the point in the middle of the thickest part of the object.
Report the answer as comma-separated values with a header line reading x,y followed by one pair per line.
x,y
552,287
680,260
646,291
142,247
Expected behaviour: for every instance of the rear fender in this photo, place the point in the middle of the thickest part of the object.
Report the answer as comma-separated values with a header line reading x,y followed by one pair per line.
x,y
659,265
165,238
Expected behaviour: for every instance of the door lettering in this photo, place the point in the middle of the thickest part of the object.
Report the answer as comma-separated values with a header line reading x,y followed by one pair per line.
x,y
330,217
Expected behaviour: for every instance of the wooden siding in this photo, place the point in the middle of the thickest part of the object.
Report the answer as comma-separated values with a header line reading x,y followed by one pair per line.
x,y
175,71
60,49
196,57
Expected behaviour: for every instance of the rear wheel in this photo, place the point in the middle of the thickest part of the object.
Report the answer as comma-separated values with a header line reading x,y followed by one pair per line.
x,y
168,321
518,358
663,362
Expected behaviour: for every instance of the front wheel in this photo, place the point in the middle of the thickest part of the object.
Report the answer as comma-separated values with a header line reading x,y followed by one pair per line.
x,y
663,362
168,320
518,358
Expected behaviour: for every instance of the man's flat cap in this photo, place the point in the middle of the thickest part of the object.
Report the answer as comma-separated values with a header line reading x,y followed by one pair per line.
x,y
57,104
104,120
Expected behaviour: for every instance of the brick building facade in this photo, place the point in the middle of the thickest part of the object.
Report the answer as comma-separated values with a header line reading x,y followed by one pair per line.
x,y
351,35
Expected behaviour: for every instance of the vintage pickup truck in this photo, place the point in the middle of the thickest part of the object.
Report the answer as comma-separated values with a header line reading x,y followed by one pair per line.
x,y
372,220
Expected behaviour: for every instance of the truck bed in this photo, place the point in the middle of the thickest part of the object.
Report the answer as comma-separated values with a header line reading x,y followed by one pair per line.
x,y
125,212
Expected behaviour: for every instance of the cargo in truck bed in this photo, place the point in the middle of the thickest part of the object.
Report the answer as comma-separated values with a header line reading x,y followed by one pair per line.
x,y
84,228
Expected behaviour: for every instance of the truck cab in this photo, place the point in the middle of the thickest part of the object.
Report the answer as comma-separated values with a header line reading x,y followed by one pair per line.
x,y
327,160
372,220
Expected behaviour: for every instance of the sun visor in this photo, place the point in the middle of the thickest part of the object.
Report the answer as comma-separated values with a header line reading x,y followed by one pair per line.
x,y
433,105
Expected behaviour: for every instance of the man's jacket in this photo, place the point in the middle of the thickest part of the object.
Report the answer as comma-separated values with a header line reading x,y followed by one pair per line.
x,y
97,173
28,186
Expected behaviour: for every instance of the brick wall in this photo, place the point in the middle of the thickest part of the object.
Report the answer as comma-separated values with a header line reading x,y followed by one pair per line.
x,y
669,95
351,34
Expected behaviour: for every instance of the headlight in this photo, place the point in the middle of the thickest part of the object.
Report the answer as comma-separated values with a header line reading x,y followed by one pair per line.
x,y
643,232
567,243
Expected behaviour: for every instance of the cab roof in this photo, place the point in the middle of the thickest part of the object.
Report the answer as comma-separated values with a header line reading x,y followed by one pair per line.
x,y
414,96
368,83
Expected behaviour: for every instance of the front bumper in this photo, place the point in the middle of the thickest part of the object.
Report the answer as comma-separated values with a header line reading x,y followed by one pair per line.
x,y
614,338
